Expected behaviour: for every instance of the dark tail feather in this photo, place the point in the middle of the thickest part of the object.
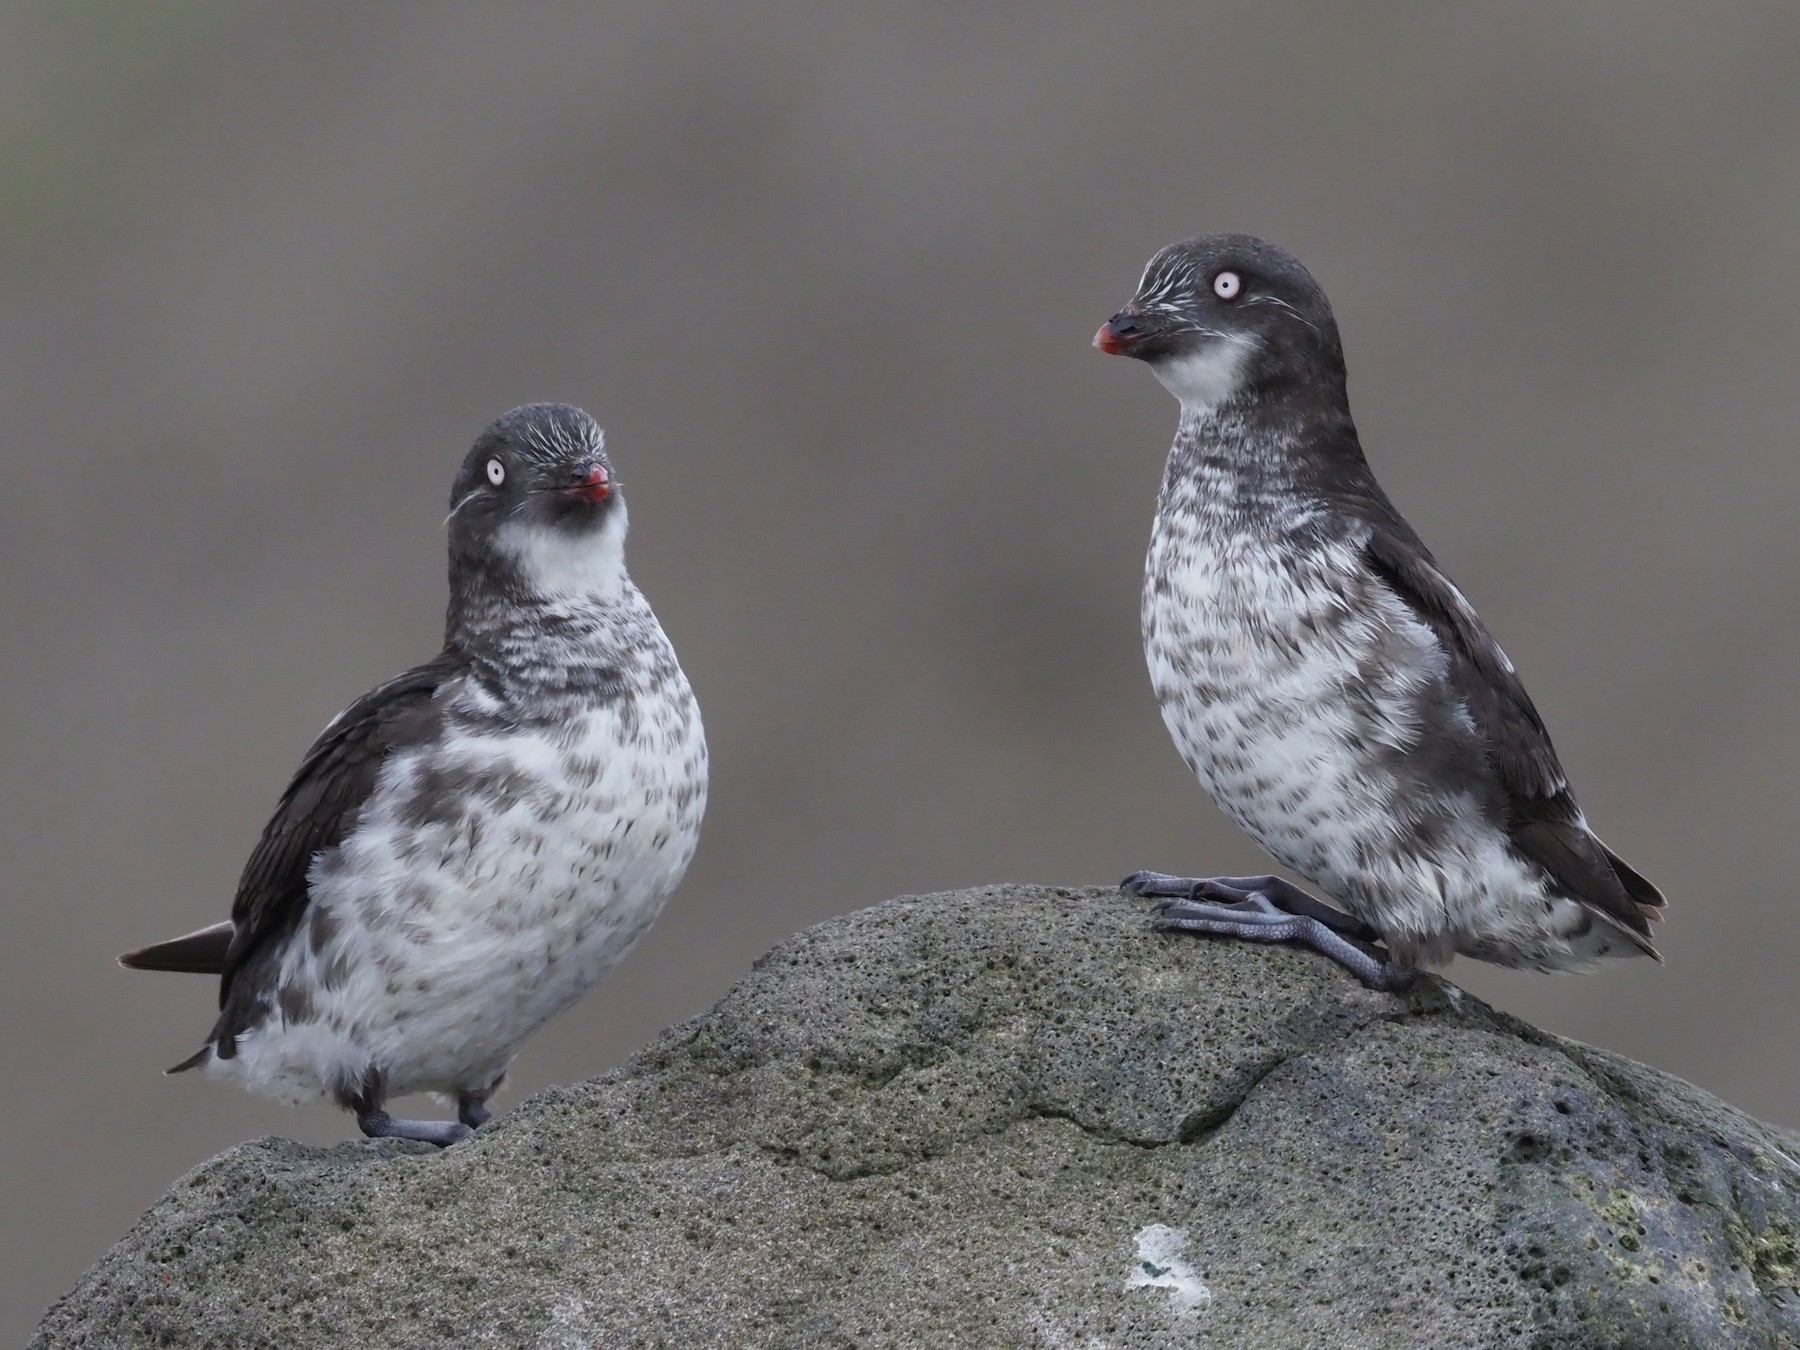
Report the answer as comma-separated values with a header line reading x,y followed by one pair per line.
x,y
1637,939
201,953
193,1061
1649,900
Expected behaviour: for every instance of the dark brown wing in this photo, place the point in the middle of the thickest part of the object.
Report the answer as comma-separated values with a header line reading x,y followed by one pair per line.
x,y
1542,818
328,790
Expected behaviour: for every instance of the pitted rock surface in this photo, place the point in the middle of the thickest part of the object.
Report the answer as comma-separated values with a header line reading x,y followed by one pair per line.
x,y
1012,1116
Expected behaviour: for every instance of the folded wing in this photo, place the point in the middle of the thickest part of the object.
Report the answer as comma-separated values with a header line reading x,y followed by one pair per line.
x,y
1543,820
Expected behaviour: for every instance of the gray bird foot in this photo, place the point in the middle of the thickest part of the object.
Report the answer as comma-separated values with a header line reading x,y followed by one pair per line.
x,y
1284,895
1268,909
378,1124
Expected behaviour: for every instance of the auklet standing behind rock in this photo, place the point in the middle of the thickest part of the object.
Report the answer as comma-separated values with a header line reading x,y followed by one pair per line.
x,y
1335,693
467,849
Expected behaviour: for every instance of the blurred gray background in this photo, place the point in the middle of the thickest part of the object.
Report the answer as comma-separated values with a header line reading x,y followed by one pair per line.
x,y
828,279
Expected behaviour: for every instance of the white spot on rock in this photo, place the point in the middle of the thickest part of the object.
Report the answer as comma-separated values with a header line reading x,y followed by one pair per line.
x,y
1159,1266
1051,1335
571,1327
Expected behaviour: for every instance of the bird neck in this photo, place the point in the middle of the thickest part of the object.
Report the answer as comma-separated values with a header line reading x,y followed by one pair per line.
x,y
537,603
1265,466
533,649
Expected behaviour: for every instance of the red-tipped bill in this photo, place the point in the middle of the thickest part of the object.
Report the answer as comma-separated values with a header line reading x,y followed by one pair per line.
x,y
593,488
1108,341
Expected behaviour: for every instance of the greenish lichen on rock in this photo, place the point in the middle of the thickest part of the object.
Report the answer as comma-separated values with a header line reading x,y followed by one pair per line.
x,y
1012,1117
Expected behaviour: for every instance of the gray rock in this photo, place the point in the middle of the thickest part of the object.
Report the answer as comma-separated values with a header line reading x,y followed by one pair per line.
x,y
1012,1117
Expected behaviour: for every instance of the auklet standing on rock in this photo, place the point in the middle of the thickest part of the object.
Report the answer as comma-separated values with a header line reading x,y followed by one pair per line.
x,y
1333,690
467,849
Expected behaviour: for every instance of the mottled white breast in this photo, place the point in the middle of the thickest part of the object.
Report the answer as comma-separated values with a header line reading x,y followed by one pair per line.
x,y
496,876
1287,677
1252,656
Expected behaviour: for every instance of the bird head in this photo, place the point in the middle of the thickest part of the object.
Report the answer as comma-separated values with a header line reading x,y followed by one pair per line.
x,y
536,501
1222,314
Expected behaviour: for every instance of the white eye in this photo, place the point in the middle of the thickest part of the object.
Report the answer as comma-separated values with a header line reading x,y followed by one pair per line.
x,y
496,472
1226,285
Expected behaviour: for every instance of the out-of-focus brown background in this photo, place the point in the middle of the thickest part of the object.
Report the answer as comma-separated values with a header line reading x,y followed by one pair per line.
x,y
828,280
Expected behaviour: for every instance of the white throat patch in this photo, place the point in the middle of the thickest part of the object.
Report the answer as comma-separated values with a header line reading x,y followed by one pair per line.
x,y
1204,379
560,565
